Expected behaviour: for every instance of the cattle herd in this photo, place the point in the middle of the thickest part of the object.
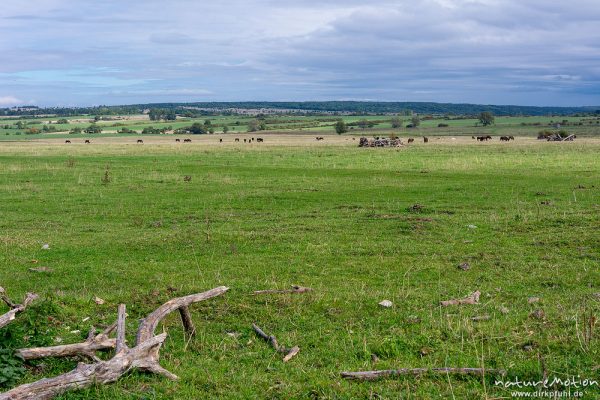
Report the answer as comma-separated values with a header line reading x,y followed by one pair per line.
x,y
366,142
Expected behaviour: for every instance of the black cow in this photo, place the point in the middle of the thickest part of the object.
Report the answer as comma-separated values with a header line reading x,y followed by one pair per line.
x,y
87,141
67,141
140,141
259,139
425,139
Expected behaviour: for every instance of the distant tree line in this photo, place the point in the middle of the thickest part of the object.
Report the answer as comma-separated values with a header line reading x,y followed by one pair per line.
x,y
168,111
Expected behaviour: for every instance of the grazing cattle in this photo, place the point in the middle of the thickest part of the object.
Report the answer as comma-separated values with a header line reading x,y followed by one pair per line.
x,y
244,140
259,139
425,139
237,140
472,137
410,140
87,141
511,137
319,138
67,141
187,140
220,140
140,141
177,140
484,138
252,139
504,138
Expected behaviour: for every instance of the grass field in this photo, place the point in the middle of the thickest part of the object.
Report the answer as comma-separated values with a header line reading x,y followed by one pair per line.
x,y
122,224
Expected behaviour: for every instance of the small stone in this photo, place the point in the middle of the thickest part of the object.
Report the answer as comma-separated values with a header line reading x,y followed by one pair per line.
x,y
533,300
385,303
374,358
46,247
504,310
472,226
98,300
464,266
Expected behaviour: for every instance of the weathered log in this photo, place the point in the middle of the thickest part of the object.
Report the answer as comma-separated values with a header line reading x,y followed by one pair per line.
x,y
86,375
294,289
88,348
148,325
144,356
289,353
473,298
186,320
121,315
6,318
374,375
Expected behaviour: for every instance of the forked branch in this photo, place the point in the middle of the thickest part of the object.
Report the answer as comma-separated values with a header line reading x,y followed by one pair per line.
x,y
6,318
144,356
289,353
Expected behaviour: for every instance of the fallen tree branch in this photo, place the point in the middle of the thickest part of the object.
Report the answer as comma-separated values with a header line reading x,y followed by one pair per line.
x,y
374,375
289,353
473,298
144,356
88,348
294,289
6,318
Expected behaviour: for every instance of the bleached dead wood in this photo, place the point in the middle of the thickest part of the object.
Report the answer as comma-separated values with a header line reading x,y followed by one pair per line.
x,y
294,289
88,348
289,353
144,356
473,298
7,317
374,375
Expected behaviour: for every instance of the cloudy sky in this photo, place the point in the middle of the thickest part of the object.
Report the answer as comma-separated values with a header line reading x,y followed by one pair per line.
x,y
83,52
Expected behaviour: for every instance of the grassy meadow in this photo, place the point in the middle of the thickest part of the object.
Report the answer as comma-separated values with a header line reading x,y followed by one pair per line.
x,y
123,224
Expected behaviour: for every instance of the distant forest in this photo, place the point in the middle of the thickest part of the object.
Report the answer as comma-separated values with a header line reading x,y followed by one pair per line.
x,y
307,107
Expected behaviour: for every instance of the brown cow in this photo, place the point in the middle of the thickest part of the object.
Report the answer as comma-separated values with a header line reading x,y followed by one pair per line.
x,y
177,140
410,140
425,139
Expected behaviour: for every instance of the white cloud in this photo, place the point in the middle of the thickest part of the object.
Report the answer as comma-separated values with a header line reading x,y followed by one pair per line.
x,y
494,51
10,101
